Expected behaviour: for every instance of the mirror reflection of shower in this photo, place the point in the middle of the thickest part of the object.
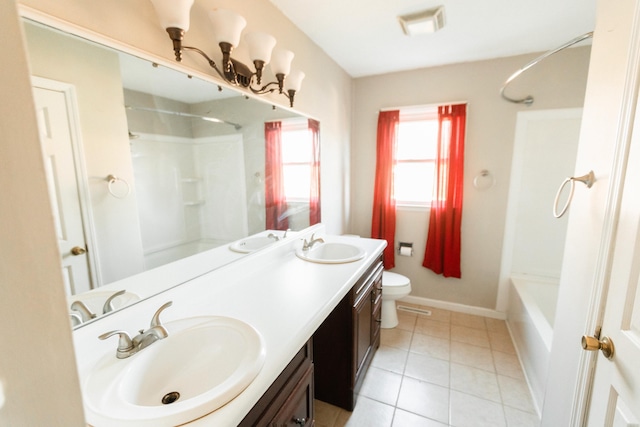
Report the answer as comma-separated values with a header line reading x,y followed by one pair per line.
x,y
188,194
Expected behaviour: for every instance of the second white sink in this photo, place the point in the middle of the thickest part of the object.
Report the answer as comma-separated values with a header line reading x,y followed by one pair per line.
x,y
204,363
251,244
332,253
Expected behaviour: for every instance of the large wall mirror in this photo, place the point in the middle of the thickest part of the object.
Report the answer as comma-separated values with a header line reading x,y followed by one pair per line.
x,y
148,166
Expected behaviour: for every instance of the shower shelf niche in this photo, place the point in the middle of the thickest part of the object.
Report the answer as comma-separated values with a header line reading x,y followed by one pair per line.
x,y
191,191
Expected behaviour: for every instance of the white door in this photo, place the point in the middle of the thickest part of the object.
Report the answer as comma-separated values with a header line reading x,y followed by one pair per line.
x,y
56,133
615,399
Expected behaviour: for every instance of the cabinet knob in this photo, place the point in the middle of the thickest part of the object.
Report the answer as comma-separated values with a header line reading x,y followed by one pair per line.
x,y
300,421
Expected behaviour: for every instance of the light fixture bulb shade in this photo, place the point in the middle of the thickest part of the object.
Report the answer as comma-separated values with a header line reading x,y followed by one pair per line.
x,y
260,46
281,61
227,26
173,13
294,80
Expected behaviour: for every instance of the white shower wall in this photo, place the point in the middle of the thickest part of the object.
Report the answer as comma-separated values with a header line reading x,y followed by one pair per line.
x,y
182,196
220,164
545,154
158,164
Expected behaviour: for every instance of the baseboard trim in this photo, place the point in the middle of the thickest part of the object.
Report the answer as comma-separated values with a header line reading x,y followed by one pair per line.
x,y
452,306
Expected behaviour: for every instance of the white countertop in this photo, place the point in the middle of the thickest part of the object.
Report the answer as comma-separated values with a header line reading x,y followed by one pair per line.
x,y
283,297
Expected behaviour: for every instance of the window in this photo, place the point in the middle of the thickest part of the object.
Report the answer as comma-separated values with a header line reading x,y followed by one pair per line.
x,y
297,157
416,151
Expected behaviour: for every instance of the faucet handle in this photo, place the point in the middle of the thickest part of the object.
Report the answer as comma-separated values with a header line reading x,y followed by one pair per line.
x,y
155,320
125,344
108,304
84,311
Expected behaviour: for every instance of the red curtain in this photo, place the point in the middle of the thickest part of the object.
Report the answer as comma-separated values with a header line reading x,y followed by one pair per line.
x,y
442,254
275,200
314,196
383,222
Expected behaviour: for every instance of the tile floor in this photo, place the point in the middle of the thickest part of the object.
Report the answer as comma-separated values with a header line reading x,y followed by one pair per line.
x,y
447,369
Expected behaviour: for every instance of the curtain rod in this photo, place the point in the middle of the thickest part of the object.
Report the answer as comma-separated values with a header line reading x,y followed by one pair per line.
x,y
528,100
181,114
406,107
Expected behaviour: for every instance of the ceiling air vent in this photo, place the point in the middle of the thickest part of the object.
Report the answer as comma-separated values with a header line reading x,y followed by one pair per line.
x,y
426,21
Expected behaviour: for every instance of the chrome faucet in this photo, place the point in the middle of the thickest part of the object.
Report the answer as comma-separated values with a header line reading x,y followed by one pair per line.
x,y
108,304
276,238
85,313
128,347
76,319
308,245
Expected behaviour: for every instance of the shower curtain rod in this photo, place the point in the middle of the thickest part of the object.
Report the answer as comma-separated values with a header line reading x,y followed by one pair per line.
x,y
181,114
529,99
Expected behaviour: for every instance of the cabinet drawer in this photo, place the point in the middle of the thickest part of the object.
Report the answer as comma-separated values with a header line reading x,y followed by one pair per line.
x,y
280,392
297,411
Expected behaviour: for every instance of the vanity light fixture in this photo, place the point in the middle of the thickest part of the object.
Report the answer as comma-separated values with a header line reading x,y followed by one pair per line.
x,y
228,26
424,22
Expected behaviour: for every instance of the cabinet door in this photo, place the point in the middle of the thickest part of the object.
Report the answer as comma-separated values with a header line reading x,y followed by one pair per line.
x,y
362,312
297,411
376,316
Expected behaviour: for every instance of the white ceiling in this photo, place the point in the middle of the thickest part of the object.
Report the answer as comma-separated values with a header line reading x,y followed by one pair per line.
x,y
365,38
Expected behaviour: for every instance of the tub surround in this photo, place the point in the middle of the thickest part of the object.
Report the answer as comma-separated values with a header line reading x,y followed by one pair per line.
x,y
284,297
531,311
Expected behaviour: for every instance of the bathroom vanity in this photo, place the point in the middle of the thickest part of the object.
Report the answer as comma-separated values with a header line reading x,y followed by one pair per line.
x,y
347,340
296,306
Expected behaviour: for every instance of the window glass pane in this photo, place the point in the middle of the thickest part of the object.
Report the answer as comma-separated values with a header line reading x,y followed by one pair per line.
x,y
413,182
417,140
297,181
296,146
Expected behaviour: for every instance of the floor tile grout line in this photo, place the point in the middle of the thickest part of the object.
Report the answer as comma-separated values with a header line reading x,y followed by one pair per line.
x,y
495,372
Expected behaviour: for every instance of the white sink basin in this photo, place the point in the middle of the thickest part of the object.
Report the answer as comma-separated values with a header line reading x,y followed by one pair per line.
x,y
251,244
332,253
204,363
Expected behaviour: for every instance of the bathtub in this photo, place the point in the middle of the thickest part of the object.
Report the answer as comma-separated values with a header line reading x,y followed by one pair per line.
x,y
163,256
530,317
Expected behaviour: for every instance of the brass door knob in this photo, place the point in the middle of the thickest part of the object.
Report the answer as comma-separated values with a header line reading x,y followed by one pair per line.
x,y
594,344
77,250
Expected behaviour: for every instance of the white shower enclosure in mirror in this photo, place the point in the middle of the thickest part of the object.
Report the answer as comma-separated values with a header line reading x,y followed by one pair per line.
x,y
165,165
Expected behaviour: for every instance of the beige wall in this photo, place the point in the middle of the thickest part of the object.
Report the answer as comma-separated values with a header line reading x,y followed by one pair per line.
x,y
37,362
558,82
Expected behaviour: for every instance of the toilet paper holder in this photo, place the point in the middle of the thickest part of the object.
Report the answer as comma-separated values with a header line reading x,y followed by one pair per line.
x,y
405,248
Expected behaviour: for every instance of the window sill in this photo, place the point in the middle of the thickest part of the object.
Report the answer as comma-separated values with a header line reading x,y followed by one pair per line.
x,y
414,208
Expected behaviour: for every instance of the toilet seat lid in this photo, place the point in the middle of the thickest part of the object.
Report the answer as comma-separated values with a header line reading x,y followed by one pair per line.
x,y
394,279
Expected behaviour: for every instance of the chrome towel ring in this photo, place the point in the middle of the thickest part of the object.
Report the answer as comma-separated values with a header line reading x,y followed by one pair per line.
x,y
587,180
112,179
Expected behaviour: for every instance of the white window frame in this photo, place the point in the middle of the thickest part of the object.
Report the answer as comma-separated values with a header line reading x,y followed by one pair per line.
x,y
408,114
290,126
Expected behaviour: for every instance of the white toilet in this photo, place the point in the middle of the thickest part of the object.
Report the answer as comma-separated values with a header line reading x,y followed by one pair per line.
x,y
394,287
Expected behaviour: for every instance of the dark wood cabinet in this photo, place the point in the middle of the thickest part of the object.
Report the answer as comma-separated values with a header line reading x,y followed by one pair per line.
x,y
347,340
289,400
297,410
332,365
